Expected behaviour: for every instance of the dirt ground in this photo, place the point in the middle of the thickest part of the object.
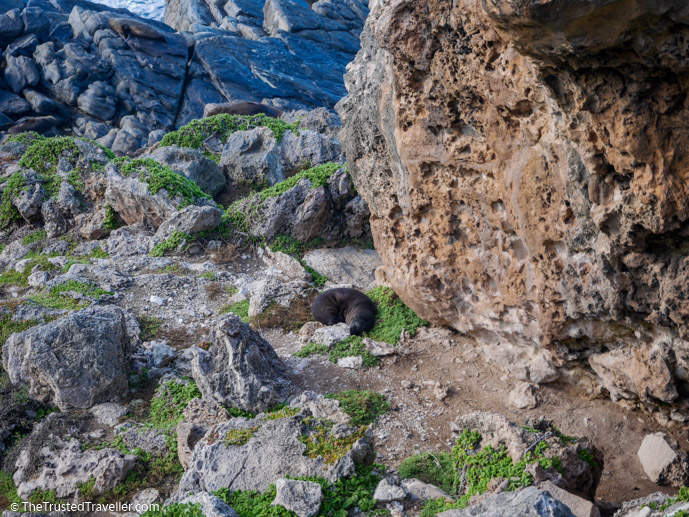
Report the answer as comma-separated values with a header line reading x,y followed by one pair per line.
x,y
420,422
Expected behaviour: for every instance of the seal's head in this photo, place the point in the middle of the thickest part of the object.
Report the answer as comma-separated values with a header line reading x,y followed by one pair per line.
x,y
357,326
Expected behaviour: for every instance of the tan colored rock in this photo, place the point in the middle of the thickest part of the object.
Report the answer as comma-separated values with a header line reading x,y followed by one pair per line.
x,y
580,507
663,461
287,267
525,167
199,416
523,396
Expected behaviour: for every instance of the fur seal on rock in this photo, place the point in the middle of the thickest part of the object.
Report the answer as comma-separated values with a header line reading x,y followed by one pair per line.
x,y
241,108
348,306
126,27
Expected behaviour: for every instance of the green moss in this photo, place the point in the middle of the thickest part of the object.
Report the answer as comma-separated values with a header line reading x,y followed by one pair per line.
x,y
364,407
176,240
176,510
34,237
8,491
236,413
318,279
13,277
57,297
209,275
318,176
43,156
352,346
26,138
281,412
312,349
149,326
320,442
160,177
222,126
13,186
239,437
170,401
434,468
585,455
241,309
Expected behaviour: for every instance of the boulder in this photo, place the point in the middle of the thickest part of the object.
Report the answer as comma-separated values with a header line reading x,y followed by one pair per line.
x,y
193,165
269,290
98,101
663,461
307,149
240,368
77,361
252,157
301,497
284,266
527,502
346,265
579,506
523,396
190,220
420,491
321,407
21,72
387,492
109,413
331,335
211,506
198,416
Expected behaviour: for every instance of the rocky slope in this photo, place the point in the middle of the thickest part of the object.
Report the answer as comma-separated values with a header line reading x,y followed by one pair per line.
x,y
108,75
524,165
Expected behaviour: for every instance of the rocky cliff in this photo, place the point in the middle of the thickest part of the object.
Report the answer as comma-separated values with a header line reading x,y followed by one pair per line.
x,y
105,74
525,164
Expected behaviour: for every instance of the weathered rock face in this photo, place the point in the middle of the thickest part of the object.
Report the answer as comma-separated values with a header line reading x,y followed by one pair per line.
x,y
524,165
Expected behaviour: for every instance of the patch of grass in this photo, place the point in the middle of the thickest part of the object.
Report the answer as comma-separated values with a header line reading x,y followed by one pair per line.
x,y
209,275
241,309
223,125
176,510
13,186
36,236
239,437
26,138
8,491
434,468
282,412
681,497
586,455
352,346
57,298
160,177
364,407
43,156
236,413
13,277
392,317
149,327
312,349
176,240
170,401
339,499
320,442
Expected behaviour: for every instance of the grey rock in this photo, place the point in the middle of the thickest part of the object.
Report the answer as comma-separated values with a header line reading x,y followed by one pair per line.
x,y
29,202
129,241
143,437
523,396
347,265
663,460
54,221
211,506
77,361
240,368
98,101
527,502
387,492
284,266
354,362
313,216
162,354
21,72
109,413
252,157
268,290
25,45
301,497
41,103
11,25
199,416
321,407
63,467
331,335
13,105
357,217
308,149
193,165
379,348
190,220
579,506
420,491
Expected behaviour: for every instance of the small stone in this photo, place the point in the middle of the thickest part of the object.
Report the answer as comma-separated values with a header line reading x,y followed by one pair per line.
x,y
331,335
157,300
386,492
109,413
579,506
301,497
420,491
663,461
161,353
523,396
354,362
379,348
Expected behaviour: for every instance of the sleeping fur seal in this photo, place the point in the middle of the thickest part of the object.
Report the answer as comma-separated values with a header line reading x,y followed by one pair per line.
x,y
241,108
345,306
127,27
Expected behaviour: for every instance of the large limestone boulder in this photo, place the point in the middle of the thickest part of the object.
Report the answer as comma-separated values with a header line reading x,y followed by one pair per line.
x,y
527,502
514,159
252,157
193,165
77,361
663,460
240,368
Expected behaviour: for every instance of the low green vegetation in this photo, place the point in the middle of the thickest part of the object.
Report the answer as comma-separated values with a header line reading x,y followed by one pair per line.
x,y
43,156
8,493
469,469
58,297
176,240
149,326
36,236
13,186
681,497
26,138
312,349
111,221
21,278
296,248
364,407
160,177
239,437
320,441
209,275
176,510
170,401
318,176
241,309
222,126
339,498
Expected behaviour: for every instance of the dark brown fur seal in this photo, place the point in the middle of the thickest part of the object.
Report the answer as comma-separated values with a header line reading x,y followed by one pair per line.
x,y
37,124
241,108
126,27
345,306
